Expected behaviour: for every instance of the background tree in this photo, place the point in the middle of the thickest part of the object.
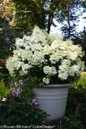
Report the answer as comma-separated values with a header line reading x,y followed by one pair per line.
x,y
7,33
38,12
19,17
71,19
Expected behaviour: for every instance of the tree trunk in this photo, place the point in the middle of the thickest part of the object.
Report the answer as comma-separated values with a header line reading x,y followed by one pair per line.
x,y
43,14
49,22
50,18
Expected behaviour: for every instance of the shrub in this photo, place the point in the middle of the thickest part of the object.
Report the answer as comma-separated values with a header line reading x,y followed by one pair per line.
x,y
4,92
46,59
2,76
81,83
6,78
20,113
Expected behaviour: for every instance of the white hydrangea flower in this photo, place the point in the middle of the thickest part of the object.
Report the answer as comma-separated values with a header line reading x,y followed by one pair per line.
x,y
46,80
15,58
49,70
63,46
18,64
55,44
74,70
81,64
66,62
55,57
28,56
19,42
38,58
36,46
38,36
64,68
10,66
73,55
27,47
22,54
25,68
63,75
46,50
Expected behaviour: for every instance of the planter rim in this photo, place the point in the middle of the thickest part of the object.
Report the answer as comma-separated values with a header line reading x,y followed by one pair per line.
x,y
55,85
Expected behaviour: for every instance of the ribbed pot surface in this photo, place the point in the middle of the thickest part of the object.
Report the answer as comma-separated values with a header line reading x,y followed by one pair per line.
x,y
52,99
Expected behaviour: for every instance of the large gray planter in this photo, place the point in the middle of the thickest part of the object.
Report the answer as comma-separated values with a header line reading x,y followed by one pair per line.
x,y
52,99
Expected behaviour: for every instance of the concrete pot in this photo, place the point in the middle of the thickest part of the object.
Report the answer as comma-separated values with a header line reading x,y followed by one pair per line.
x,y
52,99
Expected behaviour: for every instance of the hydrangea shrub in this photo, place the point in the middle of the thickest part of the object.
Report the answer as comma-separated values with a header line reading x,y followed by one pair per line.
x,y
46,57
